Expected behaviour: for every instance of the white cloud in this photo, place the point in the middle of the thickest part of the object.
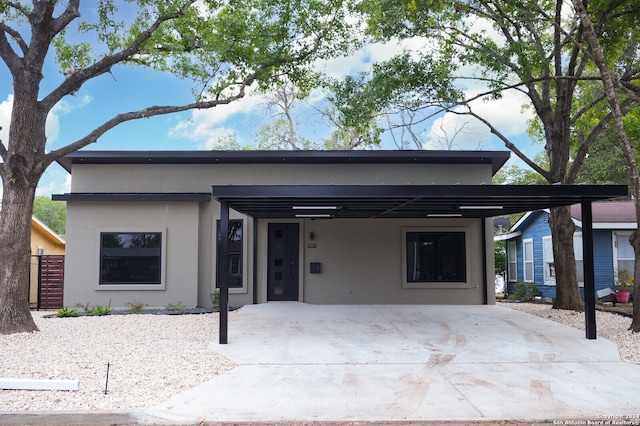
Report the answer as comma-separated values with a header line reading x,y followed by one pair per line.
x,y
465,132
62,108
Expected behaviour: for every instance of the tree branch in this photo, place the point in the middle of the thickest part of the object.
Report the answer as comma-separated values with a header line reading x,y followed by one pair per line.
x,y
75,81
507,143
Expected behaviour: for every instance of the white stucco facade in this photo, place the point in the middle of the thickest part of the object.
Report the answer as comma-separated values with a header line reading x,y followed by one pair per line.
x,y
361,260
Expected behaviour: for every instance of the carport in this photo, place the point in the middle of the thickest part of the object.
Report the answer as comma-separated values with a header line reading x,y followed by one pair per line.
x,y
326,202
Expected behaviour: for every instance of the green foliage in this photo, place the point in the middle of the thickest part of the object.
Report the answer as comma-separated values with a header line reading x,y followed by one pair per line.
x,y
215,299
51,213
136,307
176,307
100,310
524,292
66,312
83,306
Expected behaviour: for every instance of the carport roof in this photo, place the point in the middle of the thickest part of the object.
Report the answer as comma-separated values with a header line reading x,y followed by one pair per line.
x,y
405,201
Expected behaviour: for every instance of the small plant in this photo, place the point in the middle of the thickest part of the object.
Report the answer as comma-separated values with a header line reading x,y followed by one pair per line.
x,y
100,310
524,292
624,280
84,307
176,307
136,307
66,312
215,299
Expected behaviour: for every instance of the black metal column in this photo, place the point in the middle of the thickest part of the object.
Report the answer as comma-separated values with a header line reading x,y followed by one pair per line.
x,y
485,284
223,271
588,264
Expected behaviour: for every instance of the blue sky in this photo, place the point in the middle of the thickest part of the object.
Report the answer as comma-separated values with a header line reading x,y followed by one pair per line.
x,y
128,89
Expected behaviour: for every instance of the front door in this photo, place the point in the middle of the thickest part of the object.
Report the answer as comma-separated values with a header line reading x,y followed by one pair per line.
x,y
282,270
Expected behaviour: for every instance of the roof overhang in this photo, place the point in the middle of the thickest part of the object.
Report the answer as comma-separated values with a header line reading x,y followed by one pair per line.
x,y
405,201
495,159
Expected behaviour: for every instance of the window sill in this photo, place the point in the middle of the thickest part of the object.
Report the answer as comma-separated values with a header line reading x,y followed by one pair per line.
x,y
438,285
136,287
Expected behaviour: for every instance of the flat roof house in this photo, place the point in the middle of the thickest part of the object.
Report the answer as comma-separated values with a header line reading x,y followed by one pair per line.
x,y
323,227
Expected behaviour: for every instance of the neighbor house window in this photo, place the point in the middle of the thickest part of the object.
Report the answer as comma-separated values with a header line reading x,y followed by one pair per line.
x,y
436,257
130,257
549,264
528,260
234,257
512,257
623,252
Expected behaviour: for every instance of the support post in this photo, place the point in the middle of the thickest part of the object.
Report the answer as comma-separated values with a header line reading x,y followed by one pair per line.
x,y
589,276
223,272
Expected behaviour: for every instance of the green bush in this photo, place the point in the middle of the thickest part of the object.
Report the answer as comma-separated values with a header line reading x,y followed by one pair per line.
x,y
524,292
66,312
215,299
100,310
176,307
135,307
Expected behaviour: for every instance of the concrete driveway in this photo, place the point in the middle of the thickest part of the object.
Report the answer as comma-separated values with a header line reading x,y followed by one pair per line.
x,y
389,363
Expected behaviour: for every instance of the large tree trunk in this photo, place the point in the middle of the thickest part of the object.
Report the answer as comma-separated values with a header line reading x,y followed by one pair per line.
x,y
567,291
15,251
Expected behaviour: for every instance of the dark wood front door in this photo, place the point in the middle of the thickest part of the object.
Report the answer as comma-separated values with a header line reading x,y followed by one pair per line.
x,y
283,268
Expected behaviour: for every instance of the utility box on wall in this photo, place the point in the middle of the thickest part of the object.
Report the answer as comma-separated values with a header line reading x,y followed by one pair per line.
x,y
315,267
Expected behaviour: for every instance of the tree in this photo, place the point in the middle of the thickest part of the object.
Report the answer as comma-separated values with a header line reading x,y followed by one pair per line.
x,y
610,84
497,47
223,47
51,213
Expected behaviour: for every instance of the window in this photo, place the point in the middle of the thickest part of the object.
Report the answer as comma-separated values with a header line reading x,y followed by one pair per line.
x,y
623,251
512,257
549,265
130,258
234,257
528,260
578,252
436,257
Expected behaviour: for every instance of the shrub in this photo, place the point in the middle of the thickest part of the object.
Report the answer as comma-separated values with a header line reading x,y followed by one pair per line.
x,y
215,299
100,310
66,312
135,307
524,292
176,307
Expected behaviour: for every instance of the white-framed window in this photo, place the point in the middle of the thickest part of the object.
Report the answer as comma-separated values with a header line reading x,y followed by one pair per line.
x,y
547,258
435,257
527,252
512,258
578,253
131,259
623,255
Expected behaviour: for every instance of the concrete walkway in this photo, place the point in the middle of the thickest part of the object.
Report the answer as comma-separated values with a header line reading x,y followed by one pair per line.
x,y
390,363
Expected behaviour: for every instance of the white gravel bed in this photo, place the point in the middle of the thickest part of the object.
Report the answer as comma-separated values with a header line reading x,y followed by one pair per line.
x,y
151,357
608,325
154,357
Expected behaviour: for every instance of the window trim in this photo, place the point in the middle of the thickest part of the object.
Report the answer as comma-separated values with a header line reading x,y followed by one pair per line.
x,y
439,284
526,242
133,286
512,244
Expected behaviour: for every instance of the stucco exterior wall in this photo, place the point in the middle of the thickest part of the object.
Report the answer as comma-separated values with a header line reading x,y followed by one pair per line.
x,y
361,260
178,223
199,178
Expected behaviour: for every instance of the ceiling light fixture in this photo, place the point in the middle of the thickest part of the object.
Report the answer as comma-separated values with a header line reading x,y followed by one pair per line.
x,y
314,207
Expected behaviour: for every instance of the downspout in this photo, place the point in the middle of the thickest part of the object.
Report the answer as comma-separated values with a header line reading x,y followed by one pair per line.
x,y
485,284
255,261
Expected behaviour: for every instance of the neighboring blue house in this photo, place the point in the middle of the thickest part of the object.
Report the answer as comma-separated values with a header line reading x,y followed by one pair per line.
x,y
530,253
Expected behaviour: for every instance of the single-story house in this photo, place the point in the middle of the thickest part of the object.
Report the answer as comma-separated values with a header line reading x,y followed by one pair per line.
x,y
322,227
530,252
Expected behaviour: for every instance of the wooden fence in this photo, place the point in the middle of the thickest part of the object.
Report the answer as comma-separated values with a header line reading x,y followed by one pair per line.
x,y
50,273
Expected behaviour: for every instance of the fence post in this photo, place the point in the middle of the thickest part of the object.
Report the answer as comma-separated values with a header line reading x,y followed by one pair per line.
x,y
38,301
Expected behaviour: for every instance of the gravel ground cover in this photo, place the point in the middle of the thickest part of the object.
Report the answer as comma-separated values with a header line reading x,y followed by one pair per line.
x,y
151,357
154,357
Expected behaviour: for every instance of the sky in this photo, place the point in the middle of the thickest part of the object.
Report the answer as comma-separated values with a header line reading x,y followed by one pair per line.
x,y
130,89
